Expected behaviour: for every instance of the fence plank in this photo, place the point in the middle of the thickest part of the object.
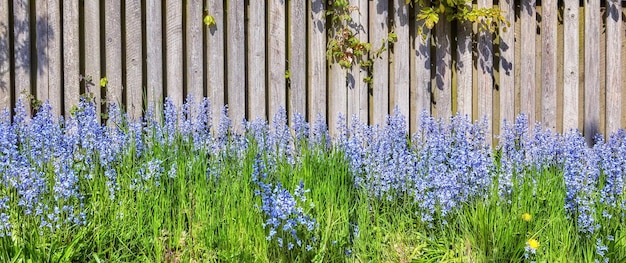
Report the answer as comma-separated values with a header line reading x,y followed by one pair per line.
x,y
41,47
401,60
134,59
380,70
256,60
570,64
276,58
549,63
357,88
174,51
485,75
317,60
527,78
421,93
154,56
21,47
92,54
464,84
297,58
443,79
215,76
113,51
5,66
613,63
55,78
71,88
592,70
236,62
507,64
337,97
193,68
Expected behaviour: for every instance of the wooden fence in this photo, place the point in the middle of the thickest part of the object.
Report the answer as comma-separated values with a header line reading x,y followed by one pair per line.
x,y
560,62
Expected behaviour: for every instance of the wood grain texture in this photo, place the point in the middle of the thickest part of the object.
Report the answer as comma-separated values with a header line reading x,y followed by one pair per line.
x,y
337,88
41,47
592,70
71,87
174,80
485,75
113,51
193,49
527,79
401,69
134,59
21,51
92,73
614,28
55,40
357,88
5,53
216,75
549,63
464,62
379,29
421,92
277,57
316,60
570,65
443,71
236,67
154,54
256,60
297,58
507,64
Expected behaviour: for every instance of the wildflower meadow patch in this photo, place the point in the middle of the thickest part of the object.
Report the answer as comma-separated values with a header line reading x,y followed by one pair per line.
x,y
171,188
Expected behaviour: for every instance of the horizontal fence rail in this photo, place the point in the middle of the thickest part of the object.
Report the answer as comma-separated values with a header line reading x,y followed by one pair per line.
x,y
560,62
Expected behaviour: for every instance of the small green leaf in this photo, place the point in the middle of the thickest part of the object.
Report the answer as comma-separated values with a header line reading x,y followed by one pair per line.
x,y
209,20
103,82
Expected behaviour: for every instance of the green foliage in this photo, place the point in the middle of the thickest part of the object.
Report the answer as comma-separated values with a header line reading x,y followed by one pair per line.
x,y
344,46
460,10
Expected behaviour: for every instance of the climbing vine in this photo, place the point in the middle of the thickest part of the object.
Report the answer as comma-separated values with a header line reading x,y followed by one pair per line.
x,y
459,10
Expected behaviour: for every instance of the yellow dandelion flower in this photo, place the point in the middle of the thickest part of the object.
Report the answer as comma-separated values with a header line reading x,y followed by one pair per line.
x,y
527,217
532,243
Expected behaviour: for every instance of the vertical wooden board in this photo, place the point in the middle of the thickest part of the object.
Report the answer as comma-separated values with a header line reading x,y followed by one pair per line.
x,y
570,65
592,70
215,76
134,57
21,50
529,26
357,88
194,69
443,70
464,68
316,60
549,63
277,57
401,75
380,71
297,58
256,60
174,51
41,47
421,92
154,54
71,53
337,97
507,64
92,54
364,89
485,74
113,51
5,66
236,68
55,40
614,40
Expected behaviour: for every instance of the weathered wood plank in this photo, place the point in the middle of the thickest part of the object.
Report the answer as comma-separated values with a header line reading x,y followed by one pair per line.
x,y
174,79
548,63
357,88
401,75
529,30
21,50
194,68
317,60
154,56
297,58
277,57
421,92
215,76
71,81
507,64
41,47
443,79
55,78
464,68
380,70
614,27
570,65
256,60
113,51
134,57
337,88
92,71
485,75
592,70
5,64
236,67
